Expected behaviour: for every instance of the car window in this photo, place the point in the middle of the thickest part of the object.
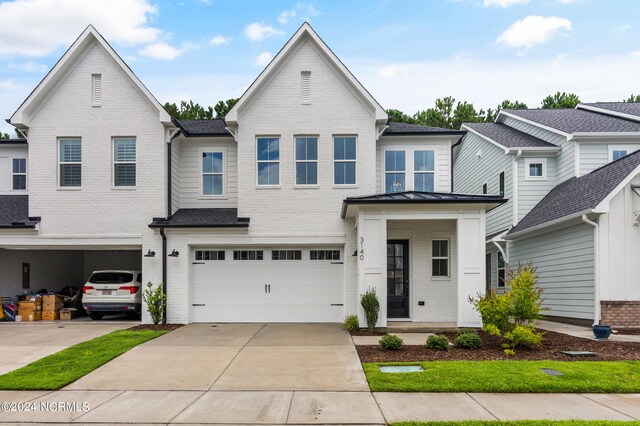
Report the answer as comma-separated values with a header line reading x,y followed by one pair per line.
x,y
139,278
111,278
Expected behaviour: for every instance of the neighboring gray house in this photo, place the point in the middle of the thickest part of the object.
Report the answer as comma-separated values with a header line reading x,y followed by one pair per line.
x,y
572,177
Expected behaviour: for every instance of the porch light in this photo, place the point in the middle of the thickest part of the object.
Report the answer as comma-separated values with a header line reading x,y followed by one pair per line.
x,y
174,253
355,253
150,253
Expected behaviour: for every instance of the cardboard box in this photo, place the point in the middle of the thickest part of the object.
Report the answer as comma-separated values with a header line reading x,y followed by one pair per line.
x,y
65,315
52,302
30,306
33,316
25,312
50,315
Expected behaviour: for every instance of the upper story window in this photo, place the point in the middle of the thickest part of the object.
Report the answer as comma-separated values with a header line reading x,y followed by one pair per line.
x,y
268,153
19,173
344,160
423,170
212,173
394,171
501,184
124,161
306,161
485,189
618,151
70,162
440,258
535,169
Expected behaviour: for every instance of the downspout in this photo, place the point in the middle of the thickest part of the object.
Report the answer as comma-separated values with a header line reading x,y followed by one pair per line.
x,y
596,270
164,271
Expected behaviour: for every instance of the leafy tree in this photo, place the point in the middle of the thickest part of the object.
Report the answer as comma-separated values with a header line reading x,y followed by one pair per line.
x,y
561,100
446,113
400,117
222,108
633,98
189,111
491,114
4,136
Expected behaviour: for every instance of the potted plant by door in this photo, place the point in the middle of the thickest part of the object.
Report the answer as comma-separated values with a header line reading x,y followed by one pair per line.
x,y
601,331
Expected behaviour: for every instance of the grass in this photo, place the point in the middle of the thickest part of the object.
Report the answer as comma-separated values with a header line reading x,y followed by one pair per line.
x,y
58,370
523,423
509,376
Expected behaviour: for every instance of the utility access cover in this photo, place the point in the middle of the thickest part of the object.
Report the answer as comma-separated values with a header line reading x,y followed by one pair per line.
x,y
551,372
401,369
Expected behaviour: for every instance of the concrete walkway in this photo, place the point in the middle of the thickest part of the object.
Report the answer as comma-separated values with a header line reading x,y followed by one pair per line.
x,y
584,332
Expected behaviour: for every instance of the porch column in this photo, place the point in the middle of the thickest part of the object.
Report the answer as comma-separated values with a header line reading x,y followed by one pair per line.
x,y
372,264
471,254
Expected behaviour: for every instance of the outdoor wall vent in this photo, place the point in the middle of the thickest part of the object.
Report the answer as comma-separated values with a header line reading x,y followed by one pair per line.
x,y
306,87
96,89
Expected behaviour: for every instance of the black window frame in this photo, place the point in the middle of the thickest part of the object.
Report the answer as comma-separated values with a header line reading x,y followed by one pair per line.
x,y
286,254
501,184
248,255
204,255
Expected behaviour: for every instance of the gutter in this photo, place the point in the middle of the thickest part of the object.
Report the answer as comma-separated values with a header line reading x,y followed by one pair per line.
x,y
596,270
535,228
164,272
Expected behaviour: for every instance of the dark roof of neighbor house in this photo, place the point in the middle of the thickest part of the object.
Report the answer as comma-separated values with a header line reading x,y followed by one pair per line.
x,y
213,127
202,218
579,194
14,212
417,197
418,129
631,108
508,136
570,120
16,141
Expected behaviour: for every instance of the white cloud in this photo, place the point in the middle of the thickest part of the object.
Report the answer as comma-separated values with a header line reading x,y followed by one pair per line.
x,y
164,51
307,11
29,66
503,3
533,30
219,40
263,59
285,16
567,1
258,32
622,28
36,28
9,85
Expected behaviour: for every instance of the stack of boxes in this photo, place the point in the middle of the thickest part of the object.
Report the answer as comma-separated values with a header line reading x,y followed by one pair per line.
x,y
51,306
31,310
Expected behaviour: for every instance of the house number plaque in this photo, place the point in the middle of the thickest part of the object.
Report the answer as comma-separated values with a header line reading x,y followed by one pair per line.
x,y
361,248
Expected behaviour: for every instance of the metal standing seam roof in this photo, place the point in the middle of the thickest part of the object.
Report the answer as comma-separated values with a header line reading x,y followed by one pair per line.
x,y
569,120
202,218
579,194
14,212
507,136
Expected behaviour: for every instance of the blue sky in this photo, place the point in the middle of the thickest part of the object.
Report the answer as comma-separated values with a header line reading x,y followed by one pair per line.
x,y
407,53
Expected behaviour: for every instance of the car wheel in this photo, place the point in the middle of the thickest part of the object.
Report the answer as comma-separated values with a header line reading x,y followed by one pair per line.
x,y
96,315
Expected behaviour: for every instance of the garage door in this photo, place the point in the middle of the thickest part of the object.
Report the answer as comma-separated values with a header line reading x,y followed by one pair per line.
x,y
266,285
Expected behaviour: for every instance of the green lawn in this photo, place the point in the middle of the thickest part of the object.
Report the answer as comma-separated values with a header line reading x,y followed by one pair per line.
x,y
64,367
523,423
509,376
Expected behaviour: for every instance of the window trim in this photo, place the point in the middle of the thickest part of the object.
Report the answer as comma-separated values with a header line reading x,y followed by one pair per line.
x,y
413,166
406,172
333,163
257,162
114,162
528,162
628,148
500,284
14,173
502,184
447,258
60,163
213,150
296,161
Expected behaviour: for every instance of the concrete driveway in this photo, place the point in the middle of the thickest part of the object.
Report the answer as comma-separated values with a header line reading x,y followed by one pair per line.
x,y
25,342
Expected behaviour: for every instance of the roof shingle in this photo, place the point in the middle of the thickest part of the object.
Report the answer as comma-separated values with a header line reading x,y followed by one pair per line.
x,y
631,108
507,136
202,218
214,127
14,212
576,120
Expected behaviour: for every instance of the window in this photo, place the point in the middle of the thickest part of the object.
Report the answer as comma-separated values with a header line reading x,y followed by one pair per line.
x,y
19,173
440,258
286,255
616,154
501,270
501,182
485,189
209,254
394,171
324,254
306,161
70,162
423,170
212,173
96,89
268,161
305,77
535,169
344,160
124,162
247,255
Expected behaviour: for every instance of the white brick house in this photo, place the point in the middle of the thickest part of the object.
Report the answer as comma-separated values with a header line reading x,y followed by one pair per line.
x,y
288,210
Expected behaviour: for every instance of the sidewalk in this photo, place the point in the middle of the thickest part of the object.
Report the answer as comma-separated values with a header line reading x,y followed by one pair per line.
x,y
312,407
584,332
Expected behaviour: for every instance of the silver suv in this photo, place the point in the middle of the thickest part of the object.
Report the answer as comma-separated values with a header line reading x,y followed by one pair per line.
x,y
109,292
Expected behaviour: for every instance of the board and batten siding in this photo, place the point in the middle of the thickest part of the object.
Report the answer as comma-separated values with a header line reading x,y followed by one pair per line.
x,y
530,192
565,262
471,172
175,175
566,166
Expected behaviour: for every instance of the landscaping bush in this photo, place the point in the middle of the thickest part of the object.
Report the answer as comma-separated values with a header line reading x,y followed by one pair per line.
x,y
391,342
467,331
351,323
371,306
440,343
469,340
514,314
156,301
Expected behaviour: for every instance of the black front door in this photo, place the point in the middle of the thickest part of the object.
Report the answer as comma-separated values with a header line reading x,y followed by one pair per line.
x,y
397,279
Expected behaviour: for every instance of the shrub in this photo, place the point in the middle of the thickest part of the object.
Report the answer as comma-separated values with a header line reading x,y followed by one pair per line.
x,y
156,301
468,340
440,343
519,335
371,306
467,331
351,323
391,342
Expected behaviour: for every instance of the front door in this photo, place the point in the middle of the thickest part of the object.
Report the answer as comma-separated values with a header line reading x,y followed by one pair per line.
x,y
397,279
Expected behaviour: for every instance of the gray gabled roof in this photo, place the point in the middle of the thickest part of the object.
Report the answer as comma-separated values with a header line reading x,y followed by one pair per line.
x,y
628,108
417,129
507,136
16,141
576,120
202,218
579,194
213,127
14,212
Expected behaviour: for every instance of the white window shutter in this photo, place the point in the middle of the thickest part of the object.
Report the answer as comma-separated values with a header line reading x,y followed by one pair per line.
x,y
306,87
96,89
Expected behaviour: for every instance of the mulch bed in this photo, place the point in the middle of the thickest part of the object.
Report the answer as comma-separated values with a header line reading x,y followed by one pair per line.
x,y
491,349
364,332
159,327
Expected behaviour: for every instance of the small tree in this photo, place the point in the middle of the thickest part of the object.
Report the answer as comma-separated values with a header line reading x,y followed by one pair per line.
x,y
371,306
156,301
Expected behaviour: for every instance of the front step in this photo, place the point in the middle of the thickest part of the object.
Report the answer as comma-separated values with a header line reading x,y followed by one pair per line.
x,y
419,327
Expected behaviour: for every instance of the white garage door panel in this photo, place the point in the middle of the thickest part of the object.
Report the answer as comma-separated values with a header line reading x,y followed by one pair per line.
x,y
234,290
